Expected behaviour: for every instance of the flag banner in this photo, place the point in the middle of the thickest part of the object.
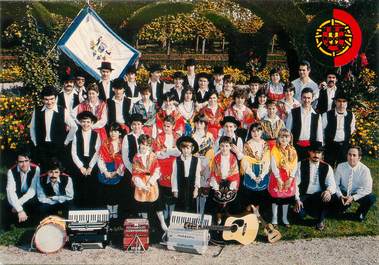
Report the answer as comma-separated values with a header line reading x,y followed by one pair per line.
x,y
88,41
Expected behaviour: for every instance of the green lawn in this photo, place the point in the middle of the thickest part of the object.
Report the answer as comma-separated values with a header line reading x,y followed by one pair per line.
x,y
334,227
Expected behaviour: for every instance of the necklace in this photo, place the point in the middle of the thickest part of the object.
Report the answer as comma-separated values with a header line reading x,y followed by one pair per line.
x,y
185,108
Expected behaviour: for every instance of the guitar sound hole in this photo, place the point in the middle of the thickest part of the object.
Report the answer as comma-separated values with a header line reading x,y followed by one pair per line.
x,y
234,228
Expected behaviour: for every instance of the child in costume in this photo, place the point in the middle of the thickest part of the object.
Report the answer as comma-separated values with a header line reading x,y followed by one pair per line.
x,y
271,124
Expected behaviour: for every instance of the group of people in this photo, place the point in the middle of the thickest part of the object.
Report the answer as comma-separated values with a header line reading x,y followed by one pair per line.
x,y
202,144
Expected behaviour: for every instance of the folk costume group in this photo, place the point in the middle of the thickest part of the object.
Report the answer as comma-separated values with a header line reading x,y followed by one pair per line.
x,y
201,145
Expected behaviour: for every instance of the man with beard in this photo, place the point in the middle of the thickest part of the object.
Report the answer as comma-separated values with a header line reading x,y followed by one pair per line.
x,y
327,91
68,98
316,187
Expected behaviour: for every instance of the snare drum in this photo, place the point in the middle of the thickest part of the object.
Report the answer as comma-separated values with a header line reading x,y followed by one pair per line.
x,y
50,235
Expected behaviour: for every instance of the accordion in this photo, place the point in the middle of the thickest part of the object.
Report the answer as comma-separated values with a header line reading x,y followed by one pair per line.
x,y
88,229
136,234
191,241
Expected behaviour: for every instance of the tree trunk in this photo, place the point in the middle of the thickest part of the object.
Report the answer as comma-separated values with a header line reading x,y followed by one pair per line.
x,y
168,47
137,44
197,44
223,44
203,47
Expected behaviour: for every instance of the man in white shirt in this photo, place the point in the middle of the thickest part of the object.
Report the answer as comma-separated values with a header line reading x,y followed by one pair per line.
x,y
191,79
21,187
55,190
68,98
80,81
354,184
48,129
327,91
315,185
156,84
305,124
338,125
305,81
105,84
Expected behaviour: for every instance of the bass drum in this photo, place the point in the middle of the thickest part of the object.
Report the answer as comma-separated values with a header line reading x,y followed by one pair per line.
x,y
50,236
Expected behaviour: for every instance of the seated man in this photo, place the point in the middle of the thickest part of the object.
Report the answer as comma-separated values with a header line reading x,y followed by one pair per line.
x,y
354,183
21,186
54,190
315,185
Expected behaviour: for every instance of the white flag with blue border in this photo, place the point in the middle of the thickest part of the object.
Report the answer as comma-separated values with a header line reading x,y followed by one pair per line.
x,y
88,41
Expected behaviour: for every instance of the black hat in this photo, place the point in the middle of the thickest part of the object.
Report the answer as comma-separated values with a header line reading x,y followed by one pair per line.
x,y
218,70
202,75
188,139
190,62
331,72
131,70
137,117
80,72
254,80
178,75
68,76
230,119
316,146
340,94
155,67
118,83
86,115
105,65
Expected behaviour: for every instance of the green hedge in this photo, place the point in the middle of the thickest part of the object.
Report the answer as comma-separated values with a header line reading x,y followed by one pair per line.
x,y
65,8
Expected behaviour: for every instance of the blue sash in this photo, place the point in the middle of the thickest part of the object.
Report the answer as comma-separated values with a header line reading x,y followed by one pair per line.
x,y
251,184
113,181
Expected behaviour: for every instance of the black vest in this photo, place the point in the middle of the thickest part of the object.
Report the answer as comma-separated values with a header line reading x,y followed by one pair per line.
x,y
62,102
80,145
296,125
159,93
17,179
102,92
57,129
178,98
48,189
186,192
205,98
128,91
305,172
322,103
331,127
111,105
132,143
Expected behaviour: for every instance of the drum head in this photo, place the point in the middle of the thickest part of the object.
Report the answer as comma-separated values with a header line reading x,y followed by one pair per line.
x,y
50,238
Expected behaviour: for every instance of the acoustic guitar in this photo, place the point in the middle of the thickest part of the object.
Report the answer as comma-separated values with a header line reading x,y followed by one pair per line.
x,y
242,229
272,234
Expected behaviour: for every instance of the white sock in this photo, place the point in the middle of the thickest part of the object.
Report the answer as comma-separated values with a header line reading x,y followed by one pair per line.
x,y
274,219
161,220
110,209
285,213
115,211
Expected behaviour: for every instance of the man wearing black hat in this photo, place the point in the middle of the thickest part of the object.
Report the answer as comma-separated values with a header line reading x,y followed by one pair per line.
x,y
68,98
80,81
203,92
339,125
178,90
105,84
230,125
327,91
119,106
84,151
131,87
217,83
316,187
156,84
191,79
185,179
48,128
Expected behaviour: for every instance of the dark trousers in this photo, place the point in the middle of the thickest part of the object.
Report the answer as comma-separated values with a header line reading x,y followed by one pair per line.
x,y
336,152
46,209
302,152
44,152
365,203
315,207
30,208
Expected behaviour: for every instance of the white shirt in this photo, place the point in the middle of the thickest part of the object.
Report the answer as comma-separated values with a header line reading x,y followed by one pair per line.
x,y
12,197
187,164
82,92
69,100
330,91
68,120
218,86
125,151
314,180
154,88
340,132
362,180
261,111
186,109
86,143
305,131
58,198
191,80
299,86
107,88
118,106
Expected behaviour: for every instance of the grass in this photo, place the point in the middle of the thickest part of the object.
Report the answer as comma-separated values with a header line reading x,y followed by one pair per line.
x,y
335,227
